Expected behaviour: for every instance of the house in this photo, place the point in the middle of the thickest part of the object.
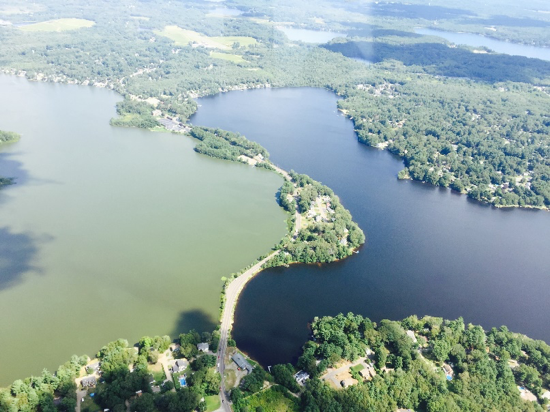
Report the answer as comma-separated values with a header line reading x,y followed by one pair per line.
x,y
301,377
242,363
93,368
347,382
88,381
448,371
203,347
367,372
180,365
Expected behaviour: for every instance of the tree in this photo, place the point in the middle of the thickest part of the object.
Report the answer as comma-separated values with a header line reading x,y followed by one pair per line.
x,y
441,349
284,375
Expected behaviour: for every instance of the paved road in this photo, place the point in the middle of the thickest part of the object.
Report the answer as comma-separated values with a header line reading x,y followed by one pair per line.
x,y
231,297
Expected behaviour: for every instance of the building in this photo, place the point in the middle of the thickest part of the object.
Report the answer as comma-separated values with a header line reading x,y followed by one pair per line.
x,y
367,372
88,381
93,368
448,371
347,382
203,347
242,363
301,377
180,365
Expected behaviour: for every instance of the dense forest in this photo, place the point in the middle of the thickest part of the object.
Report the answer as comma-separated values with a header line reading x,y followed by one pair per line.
x,y
428,364
226,145
490,142
492,370
486,368
322,240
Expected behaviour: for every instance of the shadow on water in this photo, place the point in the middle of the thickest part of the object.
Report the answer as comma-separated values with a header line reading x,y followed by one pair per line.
x,y
439,59
12,169
17,253
196,319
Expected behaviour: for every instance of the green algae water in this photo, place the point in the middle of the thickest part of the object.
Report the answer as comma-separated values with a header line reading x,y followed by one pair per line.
x,y
112,232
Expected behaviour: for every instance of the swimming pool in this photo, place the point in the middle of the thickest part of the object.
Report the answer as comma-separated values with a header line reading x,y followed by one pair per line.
x,y
182,381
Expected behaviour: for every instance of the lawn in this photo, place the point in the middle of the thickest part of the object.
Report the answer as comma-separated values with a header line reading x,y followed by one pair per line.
x,y
229,40
183,37
89,405
272,401
235,58
230,378
58,25
212,403
358,368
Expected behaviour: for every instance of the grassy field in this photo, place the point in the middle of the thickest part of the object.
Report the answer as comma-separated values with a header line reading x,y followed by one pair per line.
x,y
212,403
272,401
235,58
358,368
183,37
58,25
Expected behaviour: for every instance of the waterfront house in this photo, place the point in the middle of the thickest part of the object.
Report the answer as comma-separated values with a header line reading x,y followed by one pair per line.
x,y
242,363
203,347
301,377
180,365
88,381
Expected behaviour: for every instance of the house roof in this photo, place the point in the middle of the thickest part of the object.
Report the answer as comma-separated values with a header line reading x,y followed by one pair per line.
x,y
88,381
202,346
242,362
94,366
182,363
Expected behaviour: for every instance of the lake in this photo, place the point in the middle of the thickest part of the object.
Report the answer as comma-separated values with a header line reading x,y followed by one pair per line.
x,y
113,232
499,46
429,251
309,36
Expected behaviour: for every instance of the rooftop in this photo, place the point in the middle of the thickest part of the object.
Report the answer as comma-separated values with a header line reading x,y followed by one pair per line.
x,y
242,362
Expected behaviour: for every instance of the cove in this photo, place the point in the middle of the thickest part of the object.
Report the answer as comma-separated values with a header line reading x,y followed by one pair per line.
x,y
429,251
499,46
113,233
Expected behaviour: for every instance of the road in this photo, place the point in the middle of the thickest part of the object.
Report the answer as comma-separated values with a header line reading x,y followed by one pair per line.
x,y
232,293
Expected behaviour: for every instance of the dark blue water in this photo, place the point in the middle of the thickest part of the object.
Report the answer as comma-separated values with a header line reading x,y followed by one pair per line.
x,y
429,251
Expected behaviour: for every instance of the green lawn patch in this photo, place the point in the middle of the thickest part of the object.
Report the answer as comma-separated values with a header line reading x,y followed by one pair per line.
x,y
183,37
212,403
235,58
58,25
358,368
273,400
